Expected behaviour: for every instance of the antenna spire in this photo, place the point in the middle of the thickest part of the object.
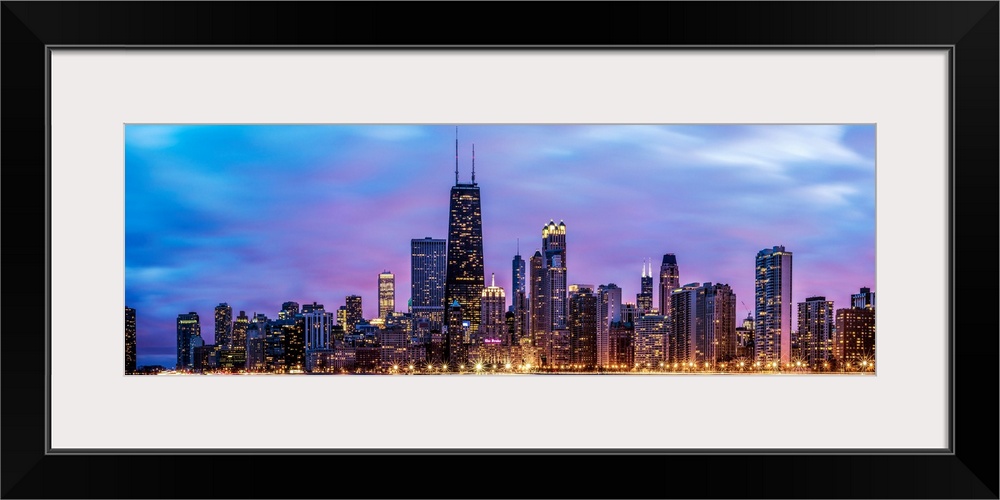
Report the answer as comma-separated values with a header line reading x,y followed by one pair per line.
x,y
473,163
456,155
518,246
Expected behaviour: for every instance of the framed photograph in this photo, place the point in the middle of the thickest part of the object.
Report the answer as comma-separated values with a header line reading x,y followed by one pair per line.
x,y
206,166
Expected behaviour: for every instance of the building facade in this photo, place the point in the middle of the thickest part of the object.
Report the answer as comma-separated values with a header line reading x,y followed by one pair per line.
x,y
130,354
188,332
583,328
428,269
773,305
386,294
814,336
493,302
609,305
669,280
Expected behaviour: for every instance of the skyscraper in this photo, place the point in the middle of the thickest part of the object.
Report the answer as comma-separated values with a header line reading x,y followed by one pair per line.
x,y
702,323
465,278
773,301
517,273
864,299
494,304
129,340
609,310
386,294
518,297
554,278
650,340
669,280
644,299
354,313
188,333
855,335
223,326
583,327
539,304
428,267
815,330
240,327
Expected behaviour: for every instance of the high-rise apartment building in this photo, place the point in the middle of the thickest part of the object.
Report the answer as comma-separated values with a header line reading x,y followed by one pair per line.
x,y
702,324
240,326
855,335
223,326
538,302
386,294
129,340
815,330
773,304
583,327
650,340
318,327
465,277
428,269
354,313
669,280
554,278
609,310
188,332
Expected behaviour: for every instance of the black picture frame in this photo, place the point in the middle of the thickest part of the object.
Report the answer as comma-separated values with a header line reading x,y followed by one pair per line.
x,y
970,29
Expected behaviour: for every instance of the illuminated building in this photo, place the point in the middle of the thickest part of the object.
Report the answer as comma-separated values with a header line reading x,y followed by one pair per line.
x,y
493,304
650,340
386,294
318,327
428,267
294,344
702,324
519,298
539,305
621,351
354,314
465,278
517,273
274,345
773,304
815,330
644,299
583,327
669,280
455,339
744,338
129,340
239,339
609,310
288,310
630,312
223,326
255,347
188,331
864,299
554,277
855,335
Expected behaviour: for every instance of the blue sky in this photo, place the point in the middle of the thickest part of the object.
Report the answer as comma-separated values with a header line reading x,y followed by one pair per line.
x,y
255,215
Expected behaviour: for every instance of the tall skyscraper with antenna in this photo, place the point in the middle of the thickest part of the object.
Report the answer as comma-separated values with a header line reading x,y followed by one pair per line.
x,y
644,299
518,295
554,281
465,277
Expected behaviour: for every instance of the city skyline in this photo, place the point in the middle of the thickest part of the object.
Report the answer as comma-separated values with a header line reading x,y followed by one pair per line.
x,y
254,216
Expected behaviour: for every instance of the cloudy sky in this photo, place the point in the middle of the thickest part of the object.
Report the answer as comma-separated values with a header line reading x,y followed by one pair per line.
x,y
257,215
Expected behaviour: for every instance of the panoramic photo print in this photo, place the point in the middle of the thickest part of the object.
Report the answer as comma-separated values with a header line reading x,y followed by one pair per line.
x,y
499,249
